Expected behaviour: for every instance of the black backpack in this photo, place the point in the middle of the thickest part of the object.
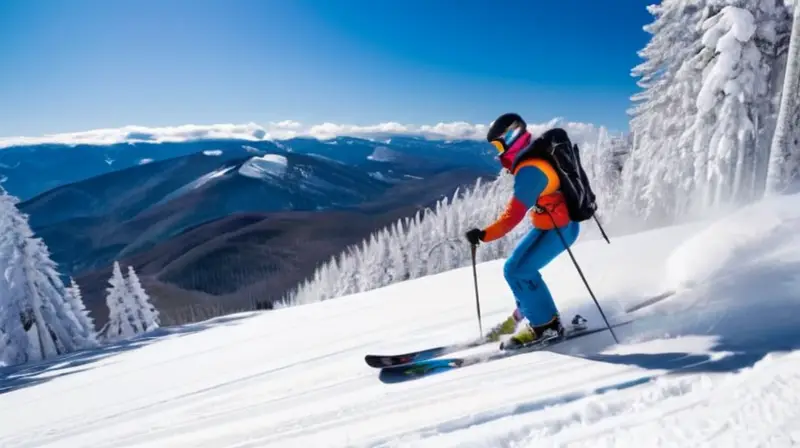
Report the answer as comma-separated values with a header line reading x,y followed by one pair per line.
x,y
555,147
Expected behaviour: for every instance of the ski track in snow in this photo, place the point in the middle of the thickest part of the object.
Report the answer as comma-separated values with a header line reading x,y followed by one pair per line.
x,y
698,368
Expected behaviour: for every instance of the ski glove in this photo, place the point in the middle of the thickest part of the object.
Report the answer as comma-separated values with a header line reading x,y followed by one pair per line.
x,y
475,236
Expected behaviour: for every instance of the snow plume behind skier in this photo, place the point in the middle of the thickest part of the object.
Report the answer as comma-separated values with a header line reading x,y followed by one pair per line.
x,y
539,181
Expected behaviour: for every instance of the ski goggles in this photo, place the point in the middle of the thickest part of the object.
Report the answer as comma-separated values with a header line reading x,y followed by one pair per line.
x,y
501,144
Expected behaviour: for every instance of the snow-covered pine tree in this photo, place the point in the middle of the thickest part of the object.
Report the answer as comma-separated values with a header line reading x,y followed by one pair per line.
x,y
121,315
75,299
784,161
736,102
653,179
36,318
146,312
704,122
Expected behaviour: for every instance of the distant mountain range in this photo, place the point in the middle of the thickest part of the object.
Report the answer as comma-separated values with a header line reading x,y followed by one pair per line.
x,y
226,222
30,170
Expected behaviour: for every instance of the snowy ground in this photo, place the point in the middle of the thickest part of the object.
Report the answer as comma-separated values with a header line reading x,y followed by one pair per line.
x,y
715,364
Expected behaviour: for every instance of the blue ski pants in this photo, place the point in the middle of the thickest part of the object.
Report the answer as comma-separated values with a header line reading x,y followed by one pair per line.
x,y
521,270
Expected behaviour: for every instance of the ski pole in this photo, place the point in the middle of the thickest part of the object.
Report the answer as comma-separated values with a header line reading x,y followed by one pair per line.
x,y
580,272
602,231
473,248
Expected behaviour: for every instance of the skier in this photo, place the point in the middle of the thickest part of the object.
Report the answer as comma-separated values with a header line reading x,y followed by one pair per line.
x,y
536,186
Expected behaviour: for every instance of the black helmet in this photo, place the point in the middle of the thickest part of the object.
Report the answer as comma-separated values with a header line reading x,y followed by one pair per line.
x,y
505,129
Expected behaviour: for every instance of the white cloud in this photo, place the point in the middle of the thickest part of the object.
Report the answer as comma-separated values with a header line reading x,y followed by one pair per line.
x,y
330,130
283,130
456,130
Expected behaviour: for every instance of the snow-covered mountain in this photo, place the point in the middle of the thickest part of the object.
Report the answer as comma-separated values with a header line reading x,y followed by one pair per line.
x,y
714,364
125,211
235,179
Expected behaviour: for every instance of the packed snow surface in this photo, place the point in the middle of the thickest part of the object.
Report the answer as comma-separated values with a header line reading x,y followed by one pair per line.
x,y
714,364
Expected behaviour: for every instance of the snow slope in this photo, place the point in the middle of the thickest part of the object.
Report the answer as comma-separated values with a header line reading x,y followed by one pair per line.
x,y
714,364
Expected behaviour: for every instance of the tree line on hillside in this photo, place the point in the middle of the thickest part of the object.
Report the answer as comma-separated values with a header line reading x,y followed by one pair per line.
x,y
40,316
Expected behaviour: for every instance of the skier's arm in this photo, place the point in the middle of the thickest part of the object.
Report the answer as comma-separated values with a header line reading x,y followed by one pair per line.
x,y
529,182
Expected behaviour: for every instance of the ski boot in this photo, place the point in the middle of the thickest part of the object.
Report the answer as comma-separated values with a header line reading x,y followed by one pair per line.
x,y
529,334
508,326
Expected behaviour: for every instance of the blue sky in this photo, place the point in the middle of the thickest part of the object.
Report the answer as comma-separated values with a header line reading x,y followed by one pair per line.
x,y
85,64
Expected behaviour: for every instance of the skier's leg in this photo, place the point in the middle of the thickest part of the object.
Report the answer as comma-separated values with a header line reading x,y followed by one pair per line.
x,y
522,272
513,267
509,325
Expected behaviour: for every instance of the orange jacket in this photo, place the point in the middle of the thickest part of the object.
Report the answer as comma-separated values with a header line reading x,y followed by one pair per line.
x,y
536,189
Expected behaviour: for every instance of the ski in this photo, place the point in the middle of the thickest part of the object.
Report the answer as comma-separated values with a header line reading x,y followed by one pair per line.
x,y
382,361
426,367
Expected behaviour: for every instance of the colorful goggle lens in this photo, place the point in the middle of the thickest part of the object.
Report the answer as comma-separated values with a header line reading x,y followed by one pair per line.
x,y
511,136
499,146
